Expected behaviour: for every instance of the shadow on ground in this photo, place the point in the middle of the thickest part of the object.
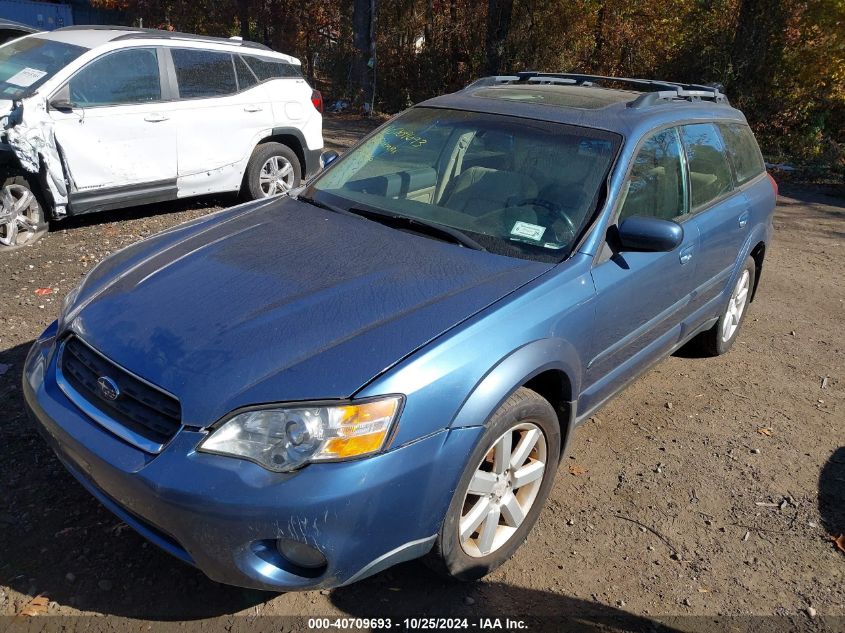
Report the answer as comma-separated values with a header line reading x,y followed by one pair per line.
x,y
832,493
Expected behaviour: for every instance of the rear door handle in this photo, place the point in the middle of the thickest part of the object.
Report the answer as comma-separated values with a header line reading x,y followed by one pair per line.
x,y
743,220
686,254
155,118
252,108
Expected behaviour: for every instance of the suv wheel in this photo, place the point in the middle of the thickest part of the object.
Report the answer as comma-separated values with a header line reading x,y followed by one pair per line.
x,y
502,490
22,218
273,169
720,338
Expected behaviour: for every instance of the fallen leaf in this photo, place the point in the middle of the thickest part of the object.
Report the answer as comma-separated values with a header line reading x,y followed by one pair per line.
x,y
765,431
36,606
43,291
839,542
577,470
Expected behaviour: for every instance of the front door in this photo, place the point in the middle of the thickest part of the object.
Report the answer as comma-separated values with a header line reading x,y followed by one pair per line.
x,y
642,298
118,134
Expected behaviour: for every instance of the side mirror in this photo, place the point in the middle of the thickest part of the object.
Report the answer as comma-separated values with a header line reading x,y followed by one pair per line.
x,y
328,157
639,233
61,100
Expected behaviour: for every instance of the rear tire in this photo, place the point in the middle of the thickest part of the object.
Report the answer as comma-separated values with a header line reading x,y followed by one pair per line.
x,y
23,219
513,502
272,169
720,338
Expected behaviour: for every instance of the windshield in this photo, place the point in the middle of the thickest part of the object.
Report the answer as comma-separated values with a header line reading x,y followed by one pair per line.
x,y
517,187
27,63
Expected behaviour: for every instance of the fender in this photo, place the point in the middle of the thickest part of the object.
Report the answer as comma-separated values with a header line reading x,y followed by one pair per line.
x,y
515,370
310,158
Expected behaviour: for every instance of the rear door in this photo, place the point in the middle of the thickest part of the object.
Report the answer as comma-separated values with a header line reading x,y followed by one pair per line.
x,y
719,210
118,134
642,297
221,114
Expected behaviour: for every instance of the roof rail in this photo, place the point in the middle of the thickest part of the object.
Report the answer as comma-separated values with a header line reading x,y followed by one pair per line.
x,y
134,32
653,91
176,35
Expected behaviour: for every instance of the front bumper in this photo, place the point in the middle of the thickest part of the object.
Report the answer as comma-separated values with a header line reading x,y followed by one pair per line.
x,y
223,515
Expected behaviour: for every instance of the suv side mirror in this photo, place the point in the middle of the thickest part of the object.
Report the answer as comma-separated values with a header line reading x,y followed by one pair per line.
x,y
61,100
328,157
639,233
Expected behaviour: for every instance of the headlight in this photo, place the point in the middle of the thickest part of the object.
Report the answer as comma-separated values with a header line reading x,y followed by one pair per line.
x,y
286,437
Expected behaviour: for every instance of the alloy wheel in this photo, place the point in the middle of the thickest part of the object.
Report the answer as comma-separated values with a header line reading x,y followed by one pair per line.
x,y
276,176
20,215
503,490
736,306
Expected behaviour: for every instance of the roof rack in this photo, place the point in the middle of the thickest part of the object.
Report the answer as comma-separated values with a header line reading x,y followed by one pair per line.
x,y
653,91
133,33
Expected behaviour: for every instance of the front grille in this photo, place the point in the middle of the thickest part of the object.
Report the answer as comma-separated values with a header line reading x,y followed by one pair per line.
x,y
142,409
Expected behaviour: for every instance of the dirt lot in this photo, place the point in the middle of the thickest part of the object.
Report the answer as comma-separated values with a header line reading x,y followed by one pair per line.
x,y
712,487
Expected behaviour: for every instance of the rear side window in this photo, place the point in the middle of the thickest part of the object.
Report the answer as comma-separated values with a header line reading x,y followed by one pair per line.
x,y
203,73
245,77
124,77
655,187
266,68
709,170
743,151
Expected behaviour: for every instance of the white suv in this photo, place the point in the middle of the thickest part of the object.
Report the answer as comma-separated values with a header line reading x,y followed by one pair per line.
x,y
102,118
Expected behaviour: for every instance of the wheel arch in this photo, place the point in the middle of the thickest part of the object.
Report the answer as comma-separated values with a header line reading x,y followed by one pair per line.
x,y
758,254
549,367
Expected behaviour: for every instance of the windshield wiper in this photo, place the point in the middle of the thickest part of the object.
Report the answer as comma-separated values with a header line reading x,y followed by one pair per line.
x,y
432,229
321,205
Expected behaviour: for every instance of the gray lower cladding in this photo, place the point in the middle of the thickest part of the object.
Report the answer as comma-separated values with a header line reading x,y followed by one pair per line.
x,y
91,201
401,554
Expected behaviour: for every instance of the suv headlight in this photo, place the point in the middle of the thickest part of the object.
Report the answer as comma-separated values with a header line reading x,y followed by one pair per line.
x,y
68,304
284,438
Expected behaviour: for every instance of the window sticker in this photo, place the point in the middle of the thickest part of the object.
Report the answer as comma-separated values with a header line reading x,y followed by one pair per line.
x,y
529,231
26,77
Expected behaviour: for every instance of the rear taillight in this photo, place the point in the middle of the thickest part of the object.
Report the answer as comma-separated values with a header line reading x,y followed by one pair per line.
x,y
771,180
317,100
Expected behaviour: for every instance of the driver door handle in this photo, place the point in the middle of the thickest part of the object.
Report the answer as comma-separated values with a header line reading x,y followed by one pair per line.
x,y
252,108
155,118
686,254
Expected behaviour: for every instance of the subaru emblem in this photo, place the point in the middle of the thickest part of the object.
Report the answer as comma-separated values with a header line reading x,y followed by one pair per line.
x,y
108,388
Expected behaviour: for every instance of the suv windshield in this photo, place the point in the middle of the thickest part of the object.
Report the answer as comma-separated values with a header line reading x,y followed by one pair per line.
x,y
515,186
27,63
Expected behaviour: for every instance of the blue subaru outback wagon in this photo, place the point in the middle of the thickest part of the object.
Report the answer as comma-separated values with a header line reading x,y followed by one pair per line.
x,y
388,363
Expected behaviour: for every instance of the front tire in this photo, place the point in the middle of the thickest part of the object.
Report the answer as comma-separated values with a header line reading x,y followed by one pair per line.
x,y
272,169
502,490
22,217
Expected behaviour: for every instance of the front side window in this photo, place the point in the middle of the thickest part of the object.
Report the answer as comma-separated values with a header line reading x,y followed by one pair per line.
x,y
27,63
709,171
655,186
202,73
517,187
743,150
120,78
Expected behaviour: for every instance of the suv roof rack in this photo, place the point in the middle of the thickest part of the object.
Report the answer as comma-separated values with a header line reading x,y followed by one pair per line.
x,y
653,91
133,33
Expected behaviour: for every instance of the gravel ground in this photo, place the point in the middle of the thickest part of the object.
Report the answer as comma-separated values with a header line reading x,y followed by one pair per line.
x,y
708,491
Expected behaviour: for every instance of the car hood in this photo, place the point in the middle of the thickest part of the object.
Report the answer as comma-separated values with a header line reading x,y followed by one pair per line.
x,y
281,302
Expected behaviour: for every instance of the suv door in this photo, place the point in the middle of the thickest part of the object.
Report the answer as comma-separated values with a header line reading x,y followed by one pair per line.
x,y
642,297
117,134
720,213
221,114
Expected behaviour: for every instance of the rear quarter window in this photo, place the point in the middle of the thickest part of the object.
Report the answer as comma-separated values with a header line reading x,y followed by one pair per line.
x,y
266,68
743,151
203,73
